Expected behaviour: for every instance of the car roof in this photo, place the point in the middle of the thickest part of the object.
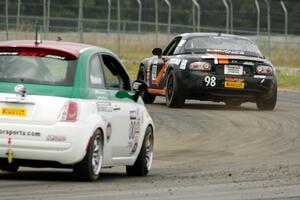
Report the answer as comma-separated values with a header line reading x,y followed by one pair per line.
x,y
186,36
71,48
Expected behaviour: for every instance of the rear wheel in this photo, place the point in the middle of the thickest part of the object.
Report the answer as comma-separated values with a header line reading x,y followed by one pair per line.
x,y
147,97
267,104
174,98
143,162
89,168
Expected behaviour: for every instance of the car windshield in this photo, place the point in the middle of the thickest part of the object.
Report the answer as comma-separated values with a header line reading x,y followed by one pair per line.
x,y
23,67
222,45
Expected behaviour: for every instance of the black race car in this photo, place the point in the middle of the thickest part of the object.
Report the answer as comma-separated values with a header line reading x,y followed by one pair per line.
x,y
211,67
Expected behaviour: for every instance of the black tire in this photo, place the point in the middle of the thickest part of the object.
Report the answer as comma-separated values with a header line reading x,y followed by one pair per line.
x,y
143,162
267,104
9,167
147,97
85,170
174,98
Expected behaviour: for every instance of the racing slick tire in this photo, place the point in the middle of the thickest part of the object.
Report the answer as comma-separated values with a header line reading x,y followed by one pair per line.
x,y
267,104
147,97
174,98
143,162
89,168
9,167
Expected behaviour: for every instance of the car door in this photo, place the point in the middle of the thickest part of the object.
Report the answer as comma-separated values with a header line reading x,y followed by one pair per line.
x,y
124,108
160,64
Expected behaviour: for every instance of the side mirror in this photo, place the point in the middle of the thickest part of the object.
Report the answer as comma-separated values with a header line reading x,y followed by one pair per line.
x,y
157,52
139,87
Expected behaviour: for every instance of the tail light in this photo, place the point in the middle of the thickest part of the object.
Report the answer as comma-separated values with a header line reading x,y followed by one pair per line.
x,y
264,69
201,66
69,112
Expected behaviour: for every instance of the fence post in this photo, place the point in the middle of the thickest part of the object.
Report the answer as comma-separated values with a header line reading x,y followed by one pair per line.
x,y
258,18
6,18
285,20
119,27
196,4
108,15
269,28
80,27
231,16
18,15
227,15
156,23
44,17
48,16
169,17
139,16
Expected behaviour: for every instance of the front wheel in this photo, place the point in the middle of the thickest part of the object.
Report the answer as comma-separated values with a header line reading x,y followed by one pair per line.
x,y
143,162
146,96
89,168
174,98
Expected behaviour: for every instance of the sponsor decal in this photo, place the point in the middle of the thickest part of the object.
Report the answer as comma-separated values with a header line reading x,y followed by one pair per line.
x,y
104,106
10,156
226,51
248,63
56,138
183,64
134,130
175,61
20,133
154,72
259,76
231,79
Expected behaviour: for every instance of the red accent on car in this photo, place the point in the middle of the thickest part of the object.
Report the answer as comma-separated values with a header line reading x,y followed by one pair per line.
x,y
9,140
69,50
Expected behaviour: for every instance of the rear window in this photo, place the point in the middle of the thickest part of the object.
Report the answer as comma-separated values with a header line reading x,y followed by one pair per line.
x,y
36,68
222,45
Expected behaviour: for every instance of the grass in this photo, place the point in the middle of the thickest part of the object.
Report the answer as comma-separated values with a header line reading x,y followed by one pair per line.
x,y
289,80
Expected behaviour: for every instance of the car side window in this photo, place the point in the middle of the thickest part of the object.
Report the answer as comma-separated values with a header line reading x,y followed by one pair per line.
x,y
172,47
115,75
96,75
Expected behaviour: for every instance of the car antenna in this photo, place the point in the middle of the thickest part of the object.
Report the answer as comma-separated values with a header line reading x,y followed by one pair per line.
x,y
37,35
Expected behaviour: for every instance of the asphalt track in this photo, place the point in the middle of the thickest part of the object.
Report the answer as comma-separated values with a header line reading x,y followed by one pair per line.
x,y
202,151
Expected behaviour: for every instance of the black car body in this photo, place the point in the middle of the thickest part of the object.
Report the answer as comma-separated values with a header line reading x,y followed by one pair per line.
x,y
211,67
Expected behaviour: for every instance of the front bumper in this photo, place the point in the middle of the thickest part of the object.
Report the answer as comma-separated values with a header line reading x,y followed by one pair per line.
x,y
63,142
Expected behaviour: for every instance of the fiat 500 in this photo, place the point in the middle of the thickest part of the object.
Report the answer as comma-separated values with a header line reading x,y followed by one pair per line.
x,y
71,105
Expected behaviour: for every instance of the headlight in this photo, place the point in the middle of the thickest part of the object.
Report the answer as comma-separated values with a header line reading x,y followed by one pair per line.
x,y
202,66
264,69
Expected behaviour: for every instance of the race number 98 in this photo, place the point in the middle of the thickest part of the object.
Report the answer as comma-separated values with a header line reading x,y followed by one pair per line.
x,y
210,81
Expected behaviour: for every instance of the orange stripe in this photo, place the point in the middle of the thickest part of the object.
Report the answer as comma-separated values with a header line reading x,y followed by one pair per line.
x,y
223,61
157,91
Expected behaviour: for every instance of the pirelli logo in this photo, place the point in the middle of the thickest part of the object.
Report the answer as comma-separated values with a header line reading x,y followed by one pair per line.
x,y
229,84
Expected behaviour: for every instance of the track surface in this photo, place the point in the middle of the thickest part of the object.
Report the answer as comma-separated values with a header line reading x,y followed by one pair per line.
x,y
202,151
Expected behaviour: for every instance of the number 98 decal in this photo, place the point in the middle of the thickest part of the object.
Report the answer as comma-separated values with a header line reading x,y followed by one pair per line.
x,y
210,81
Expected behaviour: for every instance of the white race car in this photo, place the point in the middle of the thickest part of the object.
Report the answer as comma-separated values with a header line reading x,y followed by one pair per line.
x,y
71,105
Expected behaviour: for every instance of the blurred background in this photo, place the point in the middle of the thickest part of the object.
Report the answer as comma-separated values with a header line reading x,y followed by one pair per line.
x,y
131,28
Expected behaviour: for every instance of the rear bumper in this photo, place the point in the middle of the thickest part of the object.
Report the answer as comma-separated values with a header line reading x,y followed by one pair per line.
x,y
255,87
64,143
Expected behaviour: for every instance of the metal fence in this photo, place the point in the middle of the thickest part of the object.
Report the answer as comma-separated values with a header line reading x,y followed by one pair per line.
x,y
153,24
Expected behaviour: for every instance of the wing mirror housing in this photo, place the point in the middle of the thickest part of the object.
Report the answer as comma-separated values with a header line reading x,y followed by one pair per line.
x,y
139,86
157,52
